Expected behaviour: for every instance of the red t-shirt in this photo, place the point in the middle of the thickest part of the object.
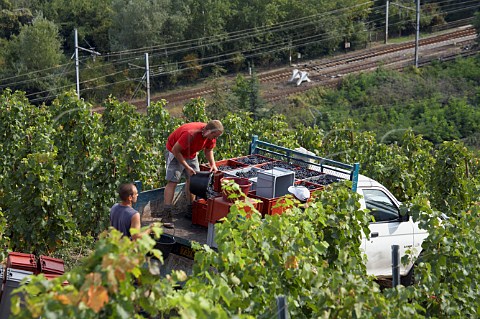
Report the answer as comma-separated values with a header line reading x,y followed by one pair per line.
x,y
190,138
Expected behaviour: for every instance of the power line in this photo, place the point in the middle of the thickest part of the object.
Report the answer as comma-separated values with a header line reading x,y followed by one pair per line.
x,y
240,32
301,42
241,35
271,47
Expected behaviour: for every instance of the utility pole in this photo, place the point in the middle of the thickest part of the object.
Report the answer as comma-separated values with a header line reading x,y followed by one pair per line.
x,y
417,26
77,72
386,20
77,68
417,33
147,75
290,52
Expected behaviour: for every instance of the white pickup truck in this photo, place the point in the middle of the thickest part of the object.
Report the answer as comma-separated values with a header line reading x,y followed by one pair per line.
x,y
389,228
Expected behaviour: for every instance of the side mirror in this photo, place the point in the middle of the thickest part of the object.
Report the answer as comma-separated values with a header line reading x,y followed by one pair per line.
x,y
404,213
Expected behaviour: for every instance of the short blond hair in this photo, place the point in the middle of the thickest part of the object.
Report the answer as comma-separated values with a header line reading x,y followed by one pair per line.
x,y
214,126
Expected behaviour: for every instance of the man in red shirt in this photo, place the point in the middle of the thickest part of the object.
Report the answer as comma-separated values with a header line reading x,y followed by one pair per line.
x,y
183,146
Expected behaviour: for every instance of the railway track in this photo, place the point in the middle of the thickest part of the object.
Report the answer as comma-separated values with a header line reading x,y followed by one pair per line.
x,y
329,72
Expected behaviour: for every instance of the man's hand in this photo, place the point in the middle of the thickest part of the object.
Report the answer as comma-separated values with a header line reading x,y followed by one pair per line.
x,y
213,168
190,171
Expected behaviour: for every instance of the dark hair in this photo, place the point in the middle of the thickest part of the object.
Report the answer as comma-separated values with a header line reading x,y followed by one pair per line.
x,y
126,190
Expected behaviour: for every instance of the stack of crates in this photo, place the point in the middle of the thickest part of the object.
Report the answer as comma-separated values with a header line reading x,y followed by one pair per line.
x,y
19,267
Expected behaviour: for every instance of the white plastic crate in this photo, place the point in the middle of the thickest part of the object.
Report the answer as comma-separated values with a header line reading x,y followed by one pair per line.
x,y
274,182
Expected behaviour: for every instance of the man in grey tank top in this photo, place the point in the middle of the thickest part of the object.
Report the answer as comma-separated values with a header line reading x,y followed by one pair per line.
x,y
122,215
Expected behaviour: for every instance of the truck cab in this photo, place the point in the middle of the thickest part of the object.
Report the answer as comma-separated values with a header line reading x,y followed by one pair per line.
x,y
387,228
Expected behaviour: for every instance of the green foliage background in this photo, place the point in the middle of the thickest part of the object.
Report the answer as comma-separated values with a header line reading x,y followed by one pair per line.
x,y
187,39
439,102
63,162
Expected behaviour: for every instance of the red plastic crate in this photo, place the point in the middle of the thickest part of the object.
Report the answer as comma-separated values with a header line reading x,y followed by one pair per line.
x,y
312,187
22,261
53,276
219,208
269,206
49,265
223,165
199,213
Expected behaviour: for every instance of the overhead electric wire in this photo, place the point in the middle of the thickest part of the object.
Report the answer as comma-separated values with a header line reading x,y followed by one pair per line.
x,y
281,42
241,32
250,55
33,72
275,49
232,52
109,84
224,38
242,35
463,9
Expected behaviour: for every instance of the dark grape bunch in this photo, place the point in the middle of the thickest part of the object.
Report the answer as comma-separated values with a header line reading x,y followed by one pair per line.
x,y
302,173
226,168
278,164
253,160
310,186
325,179
211,193
247,174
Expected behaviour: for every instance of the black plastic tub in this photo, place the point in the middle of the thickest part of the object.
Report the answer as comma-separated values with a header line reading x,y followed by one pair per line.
x,y
200,182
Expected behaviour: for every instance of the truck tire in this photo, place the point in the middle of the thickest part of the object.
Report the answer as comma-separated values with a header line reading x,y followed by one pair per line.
x,y
409,278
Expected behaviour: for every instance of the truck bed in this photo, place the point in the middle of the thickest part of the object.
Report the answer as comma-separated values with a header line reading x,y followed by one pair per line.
x,y
179,255
184,231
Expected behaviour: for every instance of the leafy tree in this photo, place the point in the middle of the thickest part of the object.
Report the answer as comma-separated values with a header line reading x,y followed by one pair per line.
x,y
194,110
5,5
91,18
208,19
33,198
301,254
143,23
191,67
476,24
246,91
220,105
447,275
12,20
452,182
4,239
42,42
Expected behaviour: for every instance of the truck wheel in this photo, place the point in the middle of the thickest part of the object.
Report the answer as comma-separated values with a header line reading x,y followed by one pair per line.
x,y
409,278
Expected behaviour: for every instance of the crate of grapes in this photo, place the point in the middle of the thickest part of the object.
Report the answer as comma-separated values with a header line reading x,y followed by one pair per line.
x,y
254,159
248,172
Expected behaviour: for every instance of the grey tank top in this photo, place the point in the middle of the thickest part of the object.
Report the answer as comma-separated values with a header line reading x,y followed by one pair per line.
x,y
121,218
